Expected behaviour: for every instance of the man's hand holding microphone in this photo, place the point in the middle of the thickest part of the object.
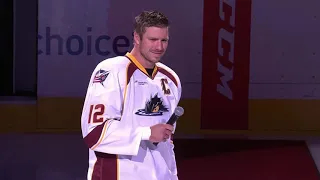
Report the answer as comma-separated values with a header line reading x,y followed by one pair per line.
x,y
162,132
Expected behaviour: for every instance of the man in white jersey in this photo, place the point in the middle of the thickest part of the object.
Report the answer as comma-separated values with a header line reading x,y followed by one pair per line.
x,y
128,102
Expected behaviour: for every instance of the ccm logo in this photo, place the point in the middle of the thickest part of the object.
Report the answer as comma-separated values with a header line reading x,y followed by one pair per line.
x,y
226,53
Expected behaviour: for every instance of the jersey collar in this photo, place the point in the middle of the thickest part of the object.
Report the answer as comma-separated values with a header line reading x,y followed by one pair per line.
x,y
140,67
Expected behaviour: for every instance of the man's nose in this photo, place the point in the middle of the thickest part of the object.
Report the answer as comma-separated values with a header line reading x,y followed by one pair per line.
x,y
159,45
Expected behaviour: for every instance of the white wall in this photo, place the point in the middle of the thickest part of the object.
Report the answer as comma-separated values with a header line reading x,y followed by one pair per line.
x,y
285,49
285,40
68,75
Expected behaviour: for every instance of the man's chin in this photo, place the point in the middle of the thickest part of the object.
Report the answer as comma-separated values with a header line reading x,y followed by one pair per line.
x,y
157,58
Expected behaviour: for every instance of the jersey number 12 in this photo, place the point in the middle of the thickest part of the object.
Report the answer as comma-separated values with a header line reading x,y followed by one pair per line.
x,y
95,114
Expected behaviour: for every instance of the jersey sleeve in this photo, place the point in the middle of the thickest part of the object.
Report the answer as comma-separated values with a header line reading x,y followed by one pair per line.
x,y
179,88
179,92
173,164
103,126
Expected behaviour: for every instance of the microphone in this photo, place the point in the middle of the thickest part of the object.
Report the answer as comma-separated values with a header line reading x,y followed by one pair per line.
x,y
178,112
175,116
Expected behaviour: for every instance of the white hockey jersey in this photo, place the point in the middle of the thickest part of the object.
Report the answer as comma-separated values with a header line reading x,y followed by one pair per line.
x,y
121,104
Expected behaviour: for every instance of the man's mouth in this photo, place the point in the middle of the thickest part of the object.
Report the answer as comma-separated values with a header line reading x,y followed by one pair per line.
x,y
157,52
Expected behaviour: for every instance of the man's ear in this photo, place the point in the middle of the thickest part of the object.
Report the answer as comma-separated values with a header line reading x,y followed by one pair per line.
x,y
136,38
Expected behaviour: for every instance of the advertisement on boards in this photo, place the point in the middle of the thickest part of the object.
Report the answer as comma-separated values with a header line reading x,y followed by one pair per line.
x,y
75,35
226,65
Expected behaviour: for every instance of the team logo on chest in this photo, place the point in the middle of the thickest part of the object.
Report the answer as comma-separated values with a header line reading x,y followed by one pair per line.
x,y
153,107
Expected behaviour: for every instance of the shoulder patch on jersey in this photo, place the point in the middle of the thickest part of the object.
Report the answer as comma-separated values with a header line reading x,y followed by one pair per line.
x,y
100,76
154,107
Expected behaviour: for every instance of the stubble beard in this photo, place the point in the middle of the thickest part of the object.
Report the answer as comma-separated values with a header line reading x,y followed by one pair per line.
x,y
148,60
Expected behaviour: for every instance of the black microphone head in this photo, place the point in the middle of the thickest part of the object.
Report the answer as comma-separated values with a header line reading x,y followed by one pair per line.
x,y
179,111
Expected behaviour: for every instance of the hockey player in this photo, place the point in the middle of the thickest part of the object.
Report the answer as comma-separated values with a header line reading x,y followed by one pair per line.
x,y
128,102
